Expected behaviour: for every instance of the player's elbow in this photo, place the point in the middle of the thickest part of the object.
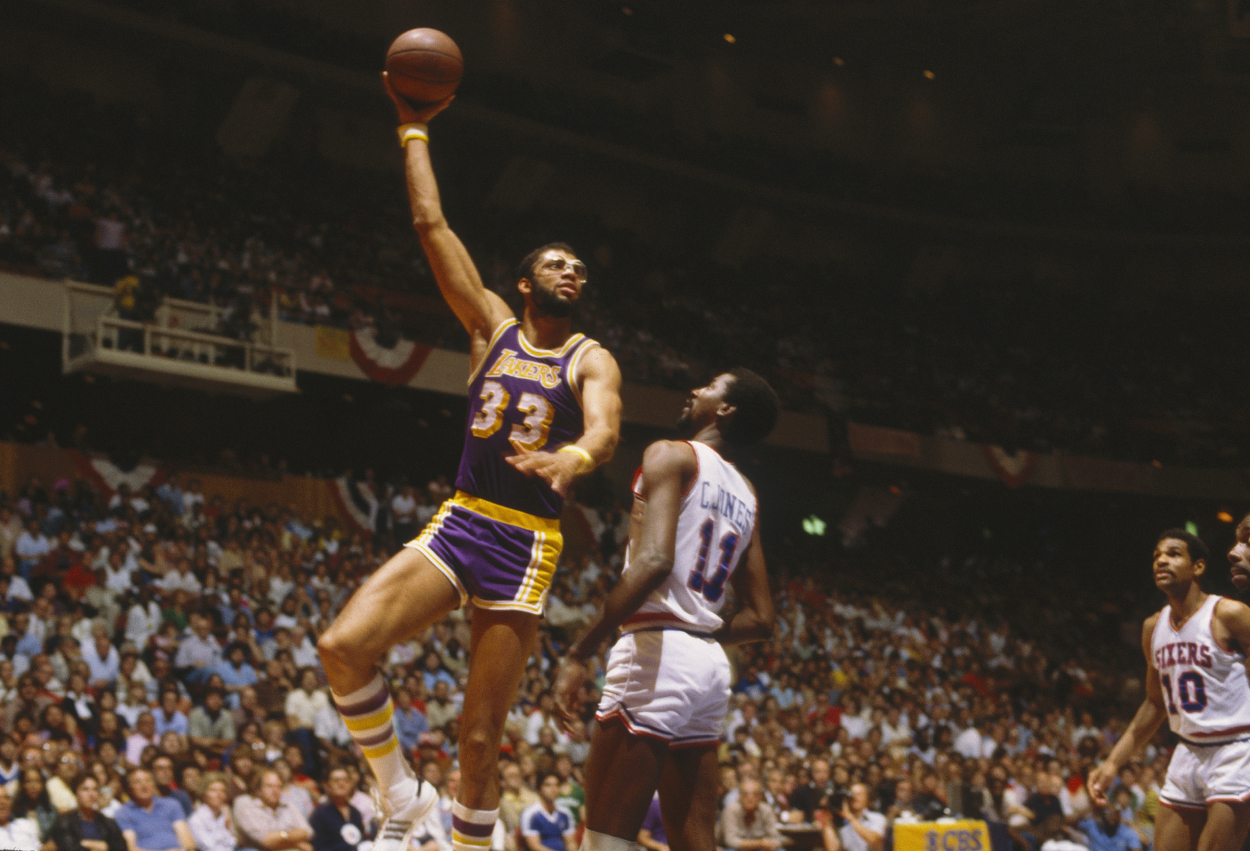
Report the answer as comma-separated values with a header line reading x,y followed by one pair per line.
x,y
426,221
653,567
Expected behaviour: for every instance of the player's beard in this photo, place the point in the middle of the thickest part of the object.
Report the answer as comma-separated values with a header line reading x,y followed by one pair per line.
x,y
549,303
685,422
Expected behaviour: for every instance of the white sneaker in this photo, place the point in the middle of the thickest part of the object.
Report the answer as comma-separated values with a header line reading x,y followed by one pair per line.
x,y
396,830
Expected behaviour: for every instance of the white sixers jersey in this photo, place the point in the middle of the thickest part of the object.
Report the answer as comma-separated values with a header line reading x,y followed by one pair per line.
x,y
714,529
1205,689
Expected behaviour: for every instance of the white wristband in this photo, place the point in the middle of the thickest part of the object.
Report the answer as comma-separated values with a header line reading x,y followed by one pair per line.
x,y
415,130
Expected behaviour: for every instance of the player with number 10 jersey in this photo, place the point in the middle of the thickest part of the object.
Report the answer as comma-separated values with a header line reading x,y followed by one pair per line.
x,y
1195,650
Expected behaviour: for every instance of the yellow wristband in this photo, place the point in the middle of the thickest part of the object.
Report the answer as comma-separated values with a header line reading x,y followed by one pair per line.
x,y
415,130
588,463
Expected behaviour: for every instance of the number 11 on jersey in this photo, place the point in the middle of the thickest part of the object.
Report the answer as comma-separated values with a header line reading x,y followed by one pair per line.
x,y
713,588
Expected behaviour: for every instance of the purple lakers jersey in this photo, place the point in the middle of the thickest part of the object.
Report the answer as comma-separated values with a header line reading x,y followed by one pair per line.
x,y
521,399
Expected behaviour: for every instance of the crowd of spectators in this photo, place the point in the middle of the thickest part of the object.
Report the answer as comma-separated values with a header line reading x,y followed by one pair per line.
x,y
159,683
979,358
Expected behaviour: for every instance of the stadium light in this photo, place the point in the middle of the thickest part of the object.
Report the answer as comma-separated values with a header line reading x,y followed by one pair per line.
x,y
814,526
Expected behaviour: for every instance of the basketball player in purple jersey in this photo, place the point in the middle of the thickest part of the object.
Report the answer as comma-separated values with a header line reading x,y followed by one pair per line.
x,y
1196,678
544,408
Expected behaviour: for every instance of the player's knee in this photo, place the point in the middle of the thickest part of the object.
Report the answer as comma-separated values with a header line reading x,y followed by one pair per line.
x,y
334,648
478,742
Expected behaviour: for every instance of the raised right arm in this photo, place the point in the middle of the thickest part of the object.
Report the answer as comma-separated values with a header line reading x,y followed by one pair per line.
x,y
478,309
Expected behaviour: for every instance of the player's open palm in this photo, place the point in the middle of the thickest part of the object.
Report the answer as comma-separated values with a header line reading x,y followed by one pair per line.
x,y
407,112
558,469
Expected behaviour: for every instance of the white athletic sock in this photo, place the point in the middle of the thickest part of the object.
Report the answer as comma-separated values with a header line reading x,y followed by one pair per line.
x,y
471,829
593,840
367,713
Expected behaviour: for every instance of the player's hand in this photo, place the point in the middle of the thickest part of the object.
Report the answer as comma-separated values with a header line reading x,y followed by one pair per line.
x,y
567,691
557,469
407,111
1099,781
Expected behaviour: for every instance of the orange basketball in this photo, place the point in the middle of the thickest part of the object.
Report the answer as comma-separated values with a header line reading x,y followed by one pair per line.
x,y
424,65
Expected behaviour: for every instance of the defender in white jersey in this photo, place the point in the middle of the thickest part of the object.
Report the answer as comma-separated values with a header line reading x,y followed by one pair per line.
x,y
694,534
1196,678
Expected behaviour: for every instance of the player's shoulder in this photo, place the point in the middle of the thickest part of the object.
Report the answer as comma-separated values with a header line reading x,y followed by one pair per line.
x,y
669,455
594,359
1228,609
1148,625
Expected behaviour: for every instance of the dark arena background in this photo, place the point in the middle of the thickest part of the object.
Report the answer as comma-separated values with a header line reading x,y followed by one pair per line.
x,y
993,257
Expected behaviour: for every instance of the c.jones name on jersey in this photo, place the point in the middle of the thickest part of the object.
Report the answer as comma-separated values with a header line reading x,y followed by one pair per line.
x,y
1182,653
735,509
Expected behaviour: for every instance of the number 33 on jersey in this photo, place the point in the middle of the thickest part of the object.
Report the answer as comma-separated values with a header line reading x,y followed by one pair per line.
x,y
521,399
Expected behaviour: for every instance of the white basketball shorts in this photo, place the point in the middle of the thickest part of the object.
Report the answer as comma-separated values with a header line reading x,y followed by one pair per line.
x,y
667,684
1201,774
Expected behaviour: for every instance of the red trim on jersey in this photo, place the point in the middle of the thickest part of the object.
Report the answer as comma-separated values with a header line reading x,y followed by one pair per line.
x,y
1213,638
636,490
695,479
1229,732
1240,800
1177,629
1189,807
619,715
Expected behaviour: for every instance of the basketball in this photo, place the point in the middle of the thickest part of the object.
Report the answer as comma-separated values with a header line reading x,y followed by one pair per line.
x,y
424,65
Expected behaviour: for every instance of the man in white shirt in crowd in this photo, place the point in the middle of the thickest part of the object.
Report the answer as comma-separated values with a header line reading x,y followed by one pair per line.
x,y
101,657
199,652
863,829
212,824
19,588
20,834
404,515
969,743
180,579
749,823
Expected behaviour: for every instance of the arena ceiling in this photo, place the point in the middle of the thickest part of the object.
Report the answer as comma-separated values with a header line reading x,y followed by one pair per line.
x,y
1045,104
1045,88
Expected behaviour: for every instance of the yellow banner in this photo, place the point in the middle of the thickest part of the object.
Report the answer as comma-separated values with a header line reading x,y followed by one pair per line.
x,y
942,836
333,343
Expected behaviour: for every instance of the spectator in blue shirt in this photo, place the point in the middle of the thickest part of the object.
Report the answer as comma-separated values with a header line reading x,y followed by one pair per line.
x,y
1107,832
434,672
409,721
167,715
547,826
236,672
149,822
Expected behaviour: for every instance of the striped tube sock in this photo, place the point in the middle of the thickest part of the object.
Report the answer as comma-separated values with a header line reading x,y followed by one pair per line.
x,y
471,829
367,714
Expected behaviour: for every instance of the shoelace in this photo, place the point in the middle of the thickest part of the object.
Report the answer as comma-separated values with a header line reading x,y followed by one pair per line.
x,y
395,829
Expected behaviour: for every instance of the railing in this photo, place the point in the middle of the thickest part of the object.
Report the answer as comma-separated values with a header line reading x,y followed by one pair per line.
x,y
124,335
